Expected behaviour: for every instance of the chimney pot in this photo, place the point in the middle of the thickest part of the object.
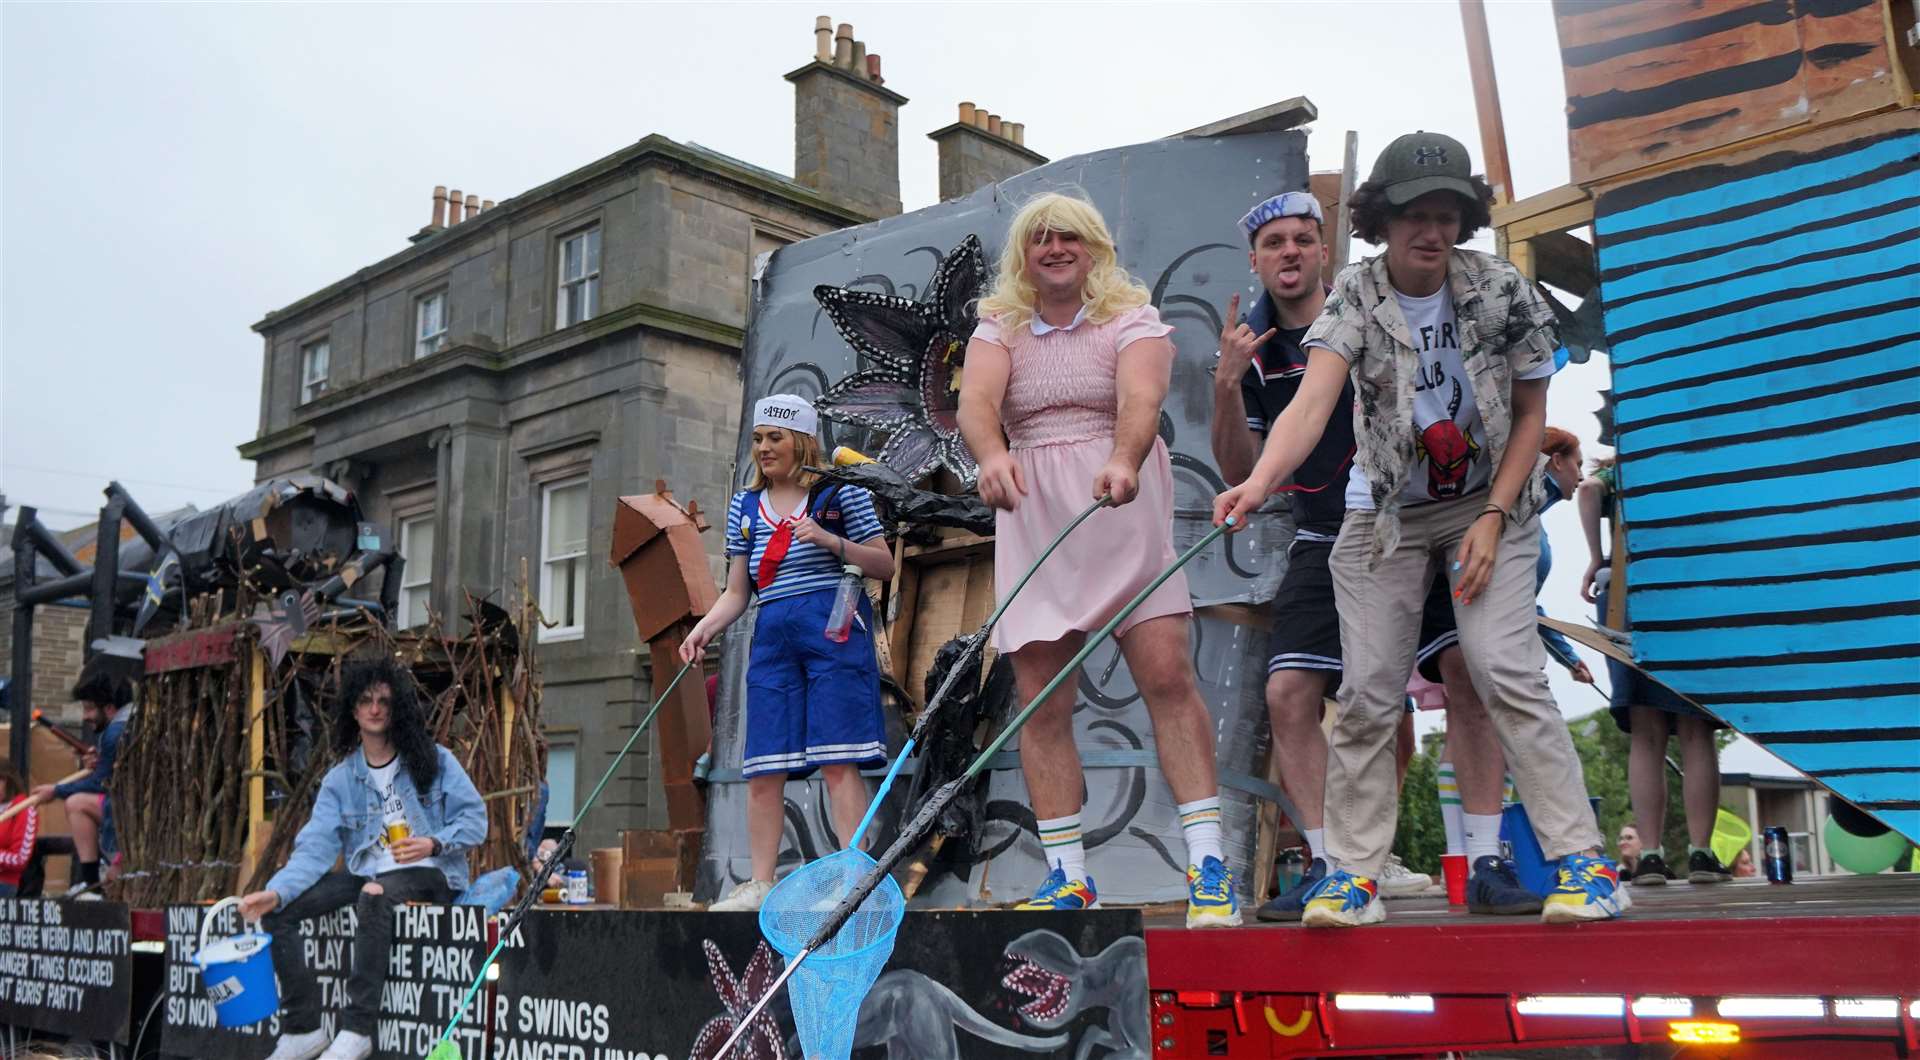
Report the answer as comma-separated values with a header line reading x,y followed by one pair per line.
x,y
993,125
1019,132
823,39
873,69
439,206
453,213
966,113
485,205
473,207
859,58
980,117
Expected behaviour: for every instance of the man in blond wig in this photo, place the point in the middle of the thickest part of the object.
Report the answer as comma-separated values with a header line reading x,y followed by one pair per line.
x,y
1061,405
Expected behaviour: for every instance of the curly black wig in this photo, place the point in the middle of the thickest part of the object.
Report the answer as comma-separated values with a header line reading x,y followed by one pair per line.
x,y
1370,211
406,726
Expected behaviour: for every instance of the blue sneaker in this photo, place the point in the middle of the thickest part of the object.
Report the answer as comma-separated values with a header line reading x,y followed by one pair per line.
x,y
1495,889
1210,898
1588,889
1058,892
1344,900
1290,903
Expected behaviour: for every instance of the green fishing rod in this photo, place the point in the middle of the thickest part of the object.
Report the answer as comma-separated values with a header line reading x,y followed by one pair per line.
x,y
916,829
443,1048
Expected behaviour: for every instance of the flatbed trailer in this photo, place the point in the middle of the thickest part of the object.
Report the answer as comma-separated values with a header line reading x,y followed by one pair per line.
x,y
1826,967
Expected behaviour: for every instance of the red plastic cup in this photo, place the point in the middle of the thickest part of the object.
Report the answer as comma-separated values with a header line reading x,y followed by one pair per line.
x,y
1454,868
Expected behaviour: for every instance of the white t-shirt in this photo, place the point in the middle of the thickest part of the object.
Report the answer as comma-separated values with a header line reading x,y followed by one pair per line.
x,y
1450,441
390,808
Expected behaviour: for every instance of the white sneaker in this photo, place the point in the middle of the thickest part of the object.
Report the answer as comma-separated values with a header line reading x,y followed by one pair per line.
x,y
1398,881
299,1046
349,1046
745,898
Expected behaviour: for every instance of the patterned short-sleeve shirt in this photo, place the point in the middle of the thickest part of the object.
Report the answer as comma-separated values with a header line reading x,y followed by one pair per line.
x,y
1506,333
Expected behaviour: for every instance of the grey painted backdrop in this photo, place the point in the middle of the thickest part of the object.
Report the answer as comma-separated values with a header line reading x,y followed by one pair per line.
x,y
1172,205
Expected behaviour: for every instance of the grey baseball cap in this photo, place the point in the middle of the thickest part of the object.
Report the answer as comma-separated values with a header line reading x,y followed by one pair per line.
x,y
1420,162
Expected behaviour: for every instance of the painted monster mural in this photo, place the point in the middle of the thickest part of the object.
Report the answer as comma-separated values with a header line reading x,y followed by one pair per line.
x,y
872,322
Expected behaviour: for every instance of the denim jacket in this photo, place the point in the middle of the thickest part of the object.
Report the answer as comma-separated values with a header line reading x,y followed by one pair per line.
x,y
1506,331
346,820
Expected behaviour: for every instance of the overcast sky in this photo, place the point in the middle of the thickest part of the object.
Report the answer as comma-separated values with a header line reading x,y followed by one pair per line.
x,y
169,173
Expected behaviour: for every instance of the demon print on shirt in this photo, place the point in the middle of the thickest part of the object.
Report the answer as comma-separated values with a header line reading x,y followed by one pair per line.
x,y
1449,441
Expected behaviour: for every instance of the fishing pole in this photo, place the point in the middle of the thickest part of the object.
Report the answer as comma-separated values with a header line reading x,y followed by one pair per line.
x,y
443,1048
911,834
967,650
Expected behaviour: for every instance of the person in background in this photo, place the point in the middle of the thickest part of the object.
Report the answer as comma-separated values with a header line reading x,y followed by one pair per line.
x,y
106,700
1628,845
812,702
1742,866
1649,713
18,832
1449,352
1562,450
403,813
1065,377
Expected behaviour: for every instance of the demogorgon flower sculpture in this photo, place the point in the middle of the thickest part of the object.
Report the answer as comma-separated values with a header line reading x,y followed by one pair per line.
x,y
915,351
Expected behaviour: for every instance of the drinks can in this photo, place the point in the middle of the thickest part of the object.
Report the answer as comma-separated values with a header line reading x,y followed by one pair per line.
x,y
577,887
397,830
1777,854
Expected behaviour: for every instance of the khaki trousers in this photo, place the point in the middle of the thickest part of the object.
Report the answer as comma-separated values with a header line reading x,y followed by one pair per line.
x,y
1379,629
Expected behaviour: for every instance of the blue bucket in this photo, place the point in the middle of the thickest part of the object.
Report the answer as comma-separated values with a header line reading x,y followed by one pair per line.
x,y
238,972
1537,872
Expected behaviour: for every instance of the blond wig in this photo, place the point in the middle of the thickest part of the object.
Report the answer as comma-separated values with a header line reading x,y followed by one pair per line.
x,y
805,447
1109,291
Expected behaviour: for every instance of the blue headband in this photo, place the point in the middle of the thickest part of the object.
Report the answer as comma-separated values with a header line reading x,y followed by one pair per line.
x,y
1285,204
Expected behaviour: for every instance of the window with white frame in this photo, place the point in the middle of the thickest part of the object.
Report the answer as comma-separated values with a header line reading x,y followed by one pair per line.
x,y
430,324
313,369
579,288
563,558
416,576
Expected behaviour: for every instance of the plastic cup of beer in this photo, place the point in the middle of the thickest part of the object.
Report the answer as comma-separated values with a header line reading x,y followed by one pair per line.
x,y
397,830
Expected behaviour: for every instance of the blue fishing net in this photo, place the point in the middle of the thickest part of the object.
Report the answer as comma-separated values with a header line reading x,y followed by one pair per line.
x,y
826,991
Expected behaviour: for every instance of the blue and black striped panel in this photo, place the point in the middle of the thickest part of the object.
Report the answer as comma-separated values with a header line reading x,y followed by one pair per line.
x,y
1765,326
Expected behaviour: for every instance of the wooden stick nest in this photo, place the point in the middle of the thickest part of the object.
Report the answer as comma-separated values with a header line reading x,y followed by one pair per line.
x,y
179,790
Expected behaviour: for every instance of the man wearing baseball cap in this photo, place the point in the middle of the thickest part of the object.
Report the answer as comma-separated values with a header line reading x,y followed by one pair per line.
x,y
1448,352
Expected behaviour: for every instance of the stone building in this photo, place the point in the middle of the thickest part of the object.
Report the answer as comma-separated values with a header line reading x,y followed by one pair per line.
x,y
490,390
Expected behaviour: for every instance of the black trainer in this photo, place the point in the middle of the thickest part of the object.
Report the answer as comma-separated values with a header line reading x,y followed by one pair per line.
x,y
1495,889
1652,871
1703,866
1291,903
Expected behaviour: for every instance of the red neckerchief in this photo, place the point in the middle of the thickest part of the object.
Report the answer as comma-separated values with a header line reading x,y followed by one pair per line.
x,y
777,545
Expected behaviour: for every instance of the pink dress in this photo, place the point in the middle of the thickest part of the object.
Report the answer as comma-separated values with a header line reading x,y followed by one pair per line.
x,y
1059,414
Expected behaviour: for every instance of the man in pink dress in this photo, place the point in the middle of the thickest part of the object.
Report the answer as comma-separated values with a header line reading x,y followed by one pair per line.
x,y
1060,404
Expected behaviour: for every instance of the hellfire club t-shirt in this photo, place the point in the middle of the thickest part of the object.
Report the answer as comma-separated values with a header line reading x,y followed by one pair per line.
x,y
1450,442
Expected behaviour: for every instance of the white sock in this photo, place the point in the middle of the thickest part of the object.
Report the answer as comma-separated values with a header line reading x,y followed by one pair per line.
x,y
1482,835
1316,843
1200,822
1451,812
1060,842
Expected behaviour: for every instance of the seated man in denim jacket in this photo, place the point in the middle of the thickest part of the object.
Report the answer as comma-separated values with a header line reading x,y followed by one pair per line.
x,y
404,814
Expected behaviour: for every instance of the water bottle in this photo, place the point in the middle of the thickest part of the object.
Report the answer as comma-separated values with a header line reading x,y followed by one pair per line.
x,y
846,603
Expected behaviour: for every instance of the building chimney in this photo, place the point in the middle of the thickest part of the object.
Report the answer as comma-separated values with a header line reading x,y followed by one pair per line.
x,y
846,127
453,213
980,148
843,45
485,205
439,206
473,207
823,39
